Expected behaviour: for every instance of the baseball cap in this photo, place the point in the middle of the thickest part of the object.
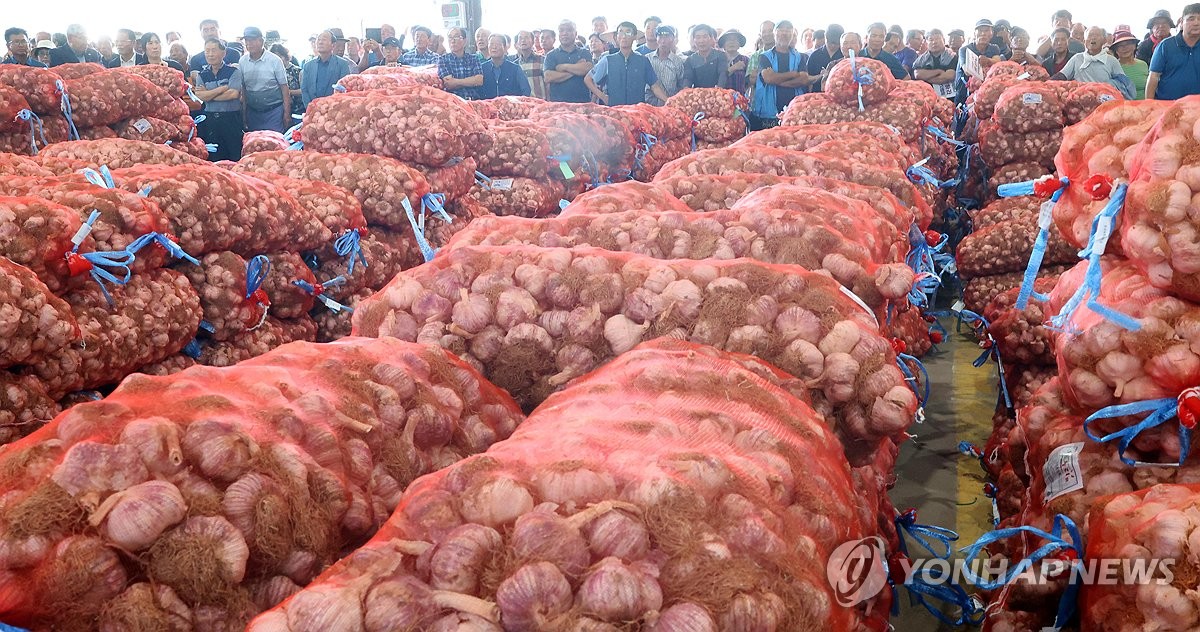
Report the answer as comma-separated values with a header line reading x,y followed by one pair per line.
x,y
1002,24
958,32
1161,14
391,41
669,31
252,32
982,23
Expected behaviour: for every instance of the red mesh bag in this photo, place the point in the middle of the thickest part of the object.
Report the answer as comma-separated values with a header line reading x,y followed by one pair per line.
x,y
378,183
124,216
627,519
817,108
14,165
149,129
453,180
1029,107
664,122
833,234
105,98
419,124
1158,227
909,326
384,254
464,211
1084,98
364,82
74,71
1102,363
980,291
941,109
520,149
573,309
24,406
194,148
1016,172
96,133
36,233
714,103
524,197
985,98
910,116
265,472
1021,334
164,78
858,148
1006,247
720,130
170,366
337,209
615,143
1154,524
38,86
877,82
263,140
818,196
150,318
623,196
211,209
333,325
999,147
11,103
572,134
422,75
33,322
221,282
485,108
118,153
514,108
1005,209
867,135
251,344
787,163
661,153
289,300
1103,143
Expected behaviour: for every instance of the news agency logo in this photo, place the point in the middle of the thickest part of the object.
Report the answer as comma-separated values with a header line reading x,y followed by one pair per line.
x,y
857,570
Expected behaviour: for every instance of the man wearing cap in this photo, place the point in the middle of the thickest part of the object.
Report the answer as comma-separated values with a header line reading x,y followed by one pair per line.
x,y
627,74
17,41
209,29
784,75
706,67
1160,29
566,66
320,73
955,40
266,100
1060,20
731,43
668,64
937,66
501,76
1124,47
876,36
422,53
461,72
988,54
1093,65
1175,65
651,44
831,51
1002,37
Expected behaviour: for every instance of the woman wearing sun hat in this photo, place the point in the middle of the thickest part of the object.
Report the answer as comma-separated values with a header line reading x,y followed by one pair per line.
x,y
1124,48
731,42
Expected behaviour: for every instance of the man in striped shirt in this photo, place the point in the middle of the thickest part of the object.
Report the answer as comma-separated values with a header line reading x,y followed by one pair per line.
x,y
531,64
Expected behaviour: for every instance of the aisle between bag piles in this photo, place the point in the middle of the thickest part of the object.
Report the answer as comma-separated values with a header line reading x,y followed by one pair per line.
x,y
945,487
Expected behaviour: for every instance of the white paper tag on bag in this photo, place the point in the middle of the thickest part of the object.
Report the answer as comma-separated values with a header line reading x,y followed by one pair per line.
x,y
502,184
141,125
1031,98
1046,215
1061,472
1103,232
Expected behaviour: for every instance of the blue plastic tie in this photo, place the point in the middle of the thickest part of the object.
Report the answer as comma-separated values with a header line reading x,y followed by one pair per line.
x,y
427,251
862,77
296,146
207,326
435,203
192,95
483,181
1160,411
1088,292
932,583
119,260
257,269
174,249
333,305
902,360
1056,542
981,327
210,148
943,136
193,349
65,105
35,128
349,244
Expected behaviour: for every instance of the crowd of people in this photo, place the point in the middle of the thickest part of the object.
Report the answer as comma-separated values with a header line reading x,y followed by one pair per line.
x,y
257,83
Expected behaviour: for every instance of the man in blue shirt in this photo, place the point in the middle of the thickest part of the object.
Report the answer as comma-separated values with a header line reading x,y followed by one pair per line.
x,y
501,76
988,54
421,53
876,35
628,74
1175,65
566,66
461,72
651,44
320,73
18,49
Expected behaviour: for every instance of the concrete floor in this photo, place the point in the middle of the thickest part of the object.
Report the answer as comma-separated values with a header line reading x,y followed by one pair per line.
x,y
944,486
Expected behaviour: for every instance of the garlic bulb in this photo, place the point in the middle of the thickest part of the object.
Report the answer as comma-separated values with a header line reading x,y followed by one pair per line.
x,y
326,607
402,603
146,607
458,560
571,484
515,306
618,534
157,440
90,469
623,334
200,559
257,506
496,502
545,536
532,597
83,572
764,611
683,617
461,622
615,591
134,518
218,449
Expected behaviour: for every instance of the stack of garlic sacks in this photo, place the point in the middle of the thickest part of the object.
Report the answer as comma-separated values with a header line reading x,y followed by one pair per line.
x,y
1105,442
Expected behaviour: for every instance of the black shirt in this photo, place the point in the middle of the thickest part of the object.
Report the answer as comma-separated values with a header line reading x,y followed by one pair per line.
x,y
888,60
818,60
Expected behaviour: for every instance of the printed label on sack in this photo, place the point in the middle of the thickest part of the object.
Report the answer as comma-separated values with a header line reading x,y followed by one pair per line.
x,y
1046,216
502,184
958,306
1061,472
1031,98
1103,231
1105,98
141,125
1023,75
